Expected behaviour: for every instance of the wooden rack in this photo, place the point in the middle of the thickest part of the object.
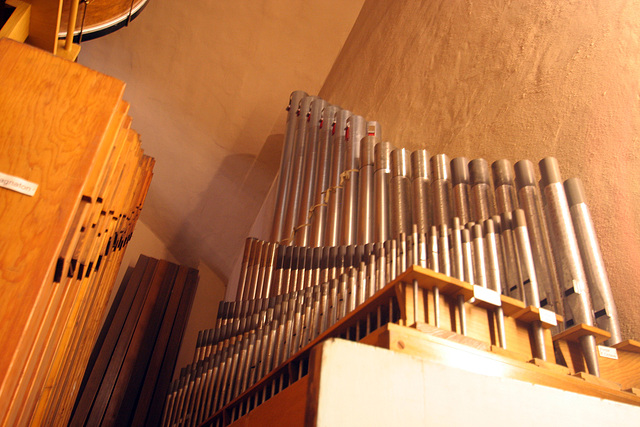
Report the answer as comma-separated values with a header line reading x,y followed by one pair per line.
x,y
65,128
289,395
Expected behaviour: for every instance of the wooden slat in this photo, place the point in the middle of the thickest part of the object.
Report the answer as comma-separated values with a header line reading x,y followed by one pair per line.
x,y
94,379
158,400
32,133
45,24
155,377
139,358
17,26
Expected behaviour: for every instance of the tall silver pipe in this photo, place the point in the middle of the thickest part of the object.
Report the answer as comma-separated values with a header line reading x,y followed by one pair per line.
x,y
503,180
460,190
531,203
366,203
441,189
421,190
332,228
323,177
355,131
506,202
303,222
530,281
572,278
381,177
297,169
285,166
400,193
601,297
482,200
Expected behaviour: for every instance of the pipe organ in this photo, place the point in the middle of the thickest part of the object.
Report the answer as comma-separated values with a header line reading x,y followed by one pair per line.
x,y
366,234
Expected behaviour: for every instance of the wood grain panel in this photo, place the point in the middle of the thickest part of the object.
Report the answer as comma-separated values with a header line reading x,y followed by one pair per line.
x,y
63,127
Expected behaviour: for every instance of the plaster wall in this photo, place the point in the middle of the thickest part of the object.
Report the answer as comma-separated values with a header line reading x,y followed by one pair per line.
x,y
516,80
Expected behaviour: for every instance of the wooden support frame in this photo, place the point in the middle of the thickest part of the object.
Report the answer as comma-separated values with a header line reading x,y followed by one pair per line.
x,y
17,26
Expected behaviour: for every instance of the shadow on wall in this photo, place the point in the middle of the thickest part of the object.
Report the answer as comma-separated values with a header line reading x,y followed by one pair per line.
x,y
214,232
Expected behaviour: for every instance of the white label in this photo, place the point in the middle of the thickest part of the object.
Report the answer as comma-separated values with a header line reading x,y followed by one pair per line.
x,y
487,295
548,316
17,184
608,352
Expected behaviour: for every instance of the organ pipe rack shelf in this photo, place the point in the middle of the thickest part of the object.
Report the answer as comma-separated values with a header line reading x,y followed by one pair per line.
x,y
288,394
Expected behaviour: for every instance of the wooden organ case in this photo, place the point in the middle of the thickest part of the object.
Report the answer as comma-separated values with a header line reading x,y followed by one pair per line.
x,y
65,129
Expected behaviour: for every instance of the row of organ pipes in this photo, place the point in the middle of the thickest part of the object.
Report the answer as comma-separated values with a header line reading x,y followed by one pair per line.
x,y
352,212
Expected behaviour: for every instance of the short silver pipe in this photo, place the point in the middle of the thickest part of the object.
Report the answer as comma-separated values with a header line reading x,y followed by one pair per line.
x,y
482,200
400,193
503,180
441,189
460,189
421,190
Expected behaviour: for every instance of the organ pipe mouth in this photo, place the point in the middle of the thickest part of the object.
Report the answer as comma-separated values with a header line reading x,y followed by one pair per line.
x,y
479,171
525,174
502,172
400,163
549,171
328,115
460,170
340,123
420,164
440,167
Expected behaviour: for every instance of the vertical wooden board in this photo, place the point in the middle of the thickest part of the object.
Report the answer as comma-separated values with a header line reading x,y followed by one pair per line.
x,y
155,378
144,269
106,275
17,26
148,289
136,368
45,24
173,346
47,138
108,153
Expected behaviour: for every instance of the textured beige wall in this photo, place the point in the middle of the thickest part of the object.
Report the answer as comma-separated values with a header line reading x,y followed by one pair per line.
x,y
516,80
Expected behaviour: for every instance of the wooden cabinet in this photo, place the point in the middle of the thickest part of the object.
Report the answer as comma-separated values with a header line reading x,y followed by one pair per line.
x,y
65,128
